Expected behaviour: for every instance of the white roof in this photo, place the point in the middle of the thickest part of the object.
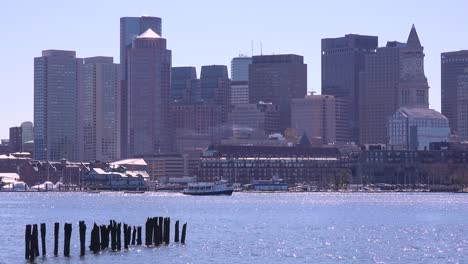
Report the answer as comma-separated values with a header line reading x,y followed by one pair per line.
x,y
143,174
138,162
9,175
149,34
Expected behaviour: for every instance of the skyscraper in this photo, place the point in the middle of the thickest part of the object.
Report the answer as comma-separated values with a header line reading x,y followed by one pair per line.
x,y
315,116
215,88
240,68
131,27
453,64
461,104
393,78
277,79
239,92
99,122
15,140
342,61
149,78
56,82
184,84
27,129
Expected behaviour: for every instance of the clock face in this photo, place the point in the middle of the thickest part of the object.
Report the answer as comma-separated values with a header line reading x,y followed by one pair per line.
x,y
412,66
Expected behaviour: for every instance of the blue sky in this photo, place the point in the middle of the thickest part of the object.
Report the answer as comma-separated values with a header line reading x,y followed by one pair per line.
x,y
212,32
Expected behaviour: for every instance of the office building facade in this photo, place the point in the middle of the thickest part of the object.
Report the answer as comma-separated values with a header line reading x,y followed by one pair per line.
x,y
150,127
315,115
184,84
452,65
27,130
130,28
215,88
56,82
99,124
342,61
239,92
16,140
261,118
240,68
278,79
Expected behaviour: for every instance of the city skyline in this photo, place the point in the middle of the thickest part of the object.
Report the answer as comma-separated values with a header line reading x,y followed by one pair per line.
x,y
297,33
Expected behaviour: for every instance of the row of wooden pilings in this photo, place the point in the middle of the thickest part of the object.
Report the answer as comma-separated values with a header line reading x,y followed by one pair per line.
x,y
157,232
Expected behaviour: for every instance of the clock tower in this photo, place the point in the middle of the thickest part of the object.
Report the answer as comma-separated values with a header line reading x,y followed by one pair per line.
x,y
413,86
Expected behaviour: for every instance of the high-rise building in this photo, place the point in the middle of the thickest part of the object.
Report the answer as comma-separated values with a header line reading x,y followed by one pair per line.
x,y
261,118
315,115
453,64
415,128
130,28
56,82
277,79
184,84
150,126
240,68
215,88
342,61
393,78
196,118
239,92
15,140
461,104
27,129
99,119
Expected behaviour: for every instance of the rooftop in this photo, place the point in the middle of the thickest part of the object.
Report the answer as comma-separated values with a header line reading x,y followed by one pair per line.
x,y
149,34
421,113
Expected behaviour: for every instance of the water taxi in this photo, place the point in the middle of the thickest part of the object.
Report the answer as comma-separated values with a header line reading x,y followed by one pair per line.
x,y
209,188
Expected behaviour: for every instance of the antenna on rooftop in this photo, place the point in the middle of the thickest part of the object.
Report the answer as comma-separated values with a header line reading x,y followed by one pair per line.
x,y
251,49
261,48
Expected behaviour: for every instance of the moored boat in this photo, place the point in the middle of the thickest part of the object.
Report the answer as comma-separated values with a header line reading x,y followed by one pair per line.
x,y
209,188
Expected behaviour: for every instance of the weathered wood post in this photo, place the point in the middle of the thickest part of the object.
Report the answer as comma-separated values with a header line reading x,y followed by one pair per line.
x,y
66,247
35,235
119,236
155,230
139,242
113,229
148,232
27,242
104,237
125,230
82,231
43,236
134,236
176,232
160,229
56,238
167,231
95,244
184,230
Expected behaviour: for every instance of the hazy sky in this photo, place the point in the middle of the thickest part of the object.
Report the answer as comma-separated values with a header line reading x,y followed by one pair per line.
x,y
212,32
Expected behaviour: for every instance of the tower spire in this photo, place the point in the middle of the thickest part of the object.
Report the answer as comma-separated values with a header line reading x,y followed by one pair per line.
x,y
413,39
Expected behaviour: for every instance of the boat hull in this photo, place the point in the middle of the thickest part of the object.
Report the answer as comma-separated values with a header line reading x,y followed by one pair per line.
x,y
224,192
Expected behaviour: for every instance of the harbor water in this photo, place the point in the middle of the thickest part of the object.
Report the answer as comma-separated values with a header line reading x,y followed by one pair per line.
x,y
254,227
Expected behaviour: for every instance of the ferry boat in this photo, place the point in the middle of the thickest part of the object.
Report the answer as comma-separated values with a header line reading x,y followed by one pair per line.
x,y
275,184
209,188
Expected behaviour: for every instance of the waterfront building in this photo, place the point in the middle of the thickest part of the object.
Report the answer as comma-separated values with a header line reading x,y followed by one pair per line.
x,y
240,68
393,78
277,79
239,92
35,172
315,115
342,61
16,139
27,131
453,64
165,166
416,128
150,127
56,81
184,84
260,118
99,124
215,88
130,28
461,107
115,178
243,164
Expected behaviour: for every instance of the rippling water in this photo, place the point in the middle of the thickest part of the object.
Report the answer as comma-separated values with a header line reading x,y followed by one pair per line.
x,y
255,228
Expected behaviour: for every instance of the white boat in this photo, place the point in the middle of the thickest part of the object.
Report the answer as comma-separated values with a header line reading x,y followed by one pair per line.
x,y
209,188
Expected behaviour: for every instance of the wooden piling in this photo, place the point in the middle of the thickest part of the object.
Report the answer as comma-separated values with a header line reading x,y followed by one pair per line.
x,y
119,236
184,230
104,237
113,228
43,240
125,230
35,235
27,242
134,236
95,245
56,238
148,232
176,232
82,231
139,242
160,229
155,230
167,231
67,238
